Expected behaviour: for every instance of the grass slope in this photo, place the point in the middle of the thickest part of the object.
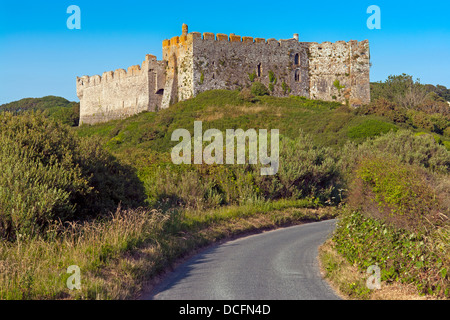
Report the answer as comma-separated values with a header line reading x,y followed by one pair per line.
x,y
55,107
330,123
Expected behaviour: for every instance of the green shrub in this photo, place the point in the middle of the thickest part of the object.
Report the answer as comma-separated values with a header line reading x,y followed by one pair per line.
x,y
420,120
50,174
252,76
385,108
305,170
200,187
337,85
419,150
446,144
401,192
370,128
247,95
34,193
272,78
285,87
259,89
405,256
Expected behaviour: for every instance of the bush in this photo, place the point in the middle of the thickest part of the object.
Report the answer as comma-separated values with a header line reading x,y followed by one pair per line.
x,y
421,150
370,128
431,106
408,257
247,95
394,192
34,193
50,174
305,170
384,108
420,120
400,89
259,89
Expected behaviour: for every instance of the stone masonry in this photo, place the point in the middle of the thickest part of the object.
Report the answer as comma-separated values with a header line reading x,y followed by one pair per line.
x,y
193,63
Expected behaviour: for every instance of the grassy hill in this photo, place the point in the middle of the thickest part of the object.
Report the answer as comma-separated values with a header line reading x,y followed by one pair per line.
x,y
329,123
56,107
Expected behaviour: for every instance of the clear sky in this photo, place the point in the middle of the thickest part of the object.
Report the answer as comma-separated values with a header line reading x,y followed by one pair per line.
x,y
40,56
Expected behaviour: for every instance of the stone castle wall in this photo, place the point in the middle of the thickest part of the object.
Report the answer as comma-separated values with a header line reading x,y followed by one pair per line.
x,y
340,71
234,62
121,93
193,63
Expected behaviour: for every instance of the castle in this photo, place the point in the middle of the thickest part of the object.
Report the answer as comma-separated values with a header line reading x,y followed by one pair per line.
x,y
193,63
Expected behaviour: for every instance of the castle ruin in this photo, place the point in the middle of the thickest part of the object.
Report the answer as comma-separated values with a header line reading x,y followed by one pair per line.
x,y
193,63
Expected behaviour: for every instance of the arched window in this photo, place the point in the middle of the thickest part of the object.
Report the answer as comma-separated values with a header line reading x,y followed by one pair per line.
x,y
297,60
259,70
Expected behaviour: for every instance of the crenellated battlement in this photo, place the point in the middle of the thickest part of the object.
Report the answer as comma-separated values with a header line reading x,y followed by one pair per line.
x,y
235,39
119,74
194,62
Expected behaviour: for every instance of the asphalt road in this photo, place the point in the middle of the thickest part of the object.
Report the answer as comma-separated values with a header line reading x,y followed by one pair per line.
x,y
280,264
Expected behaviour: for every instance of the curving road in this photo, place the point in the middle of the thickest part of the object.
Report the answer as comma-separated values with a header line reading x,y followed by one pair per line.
x,y
280,264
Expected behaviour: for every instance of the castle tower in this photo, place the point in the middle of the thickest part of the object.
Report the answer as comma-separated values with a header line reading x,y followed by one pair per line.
x,y
184,29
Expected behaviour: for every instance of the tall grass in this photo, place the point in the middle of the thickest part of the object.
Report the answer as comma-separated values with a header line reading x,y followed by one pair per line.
x,y
118,255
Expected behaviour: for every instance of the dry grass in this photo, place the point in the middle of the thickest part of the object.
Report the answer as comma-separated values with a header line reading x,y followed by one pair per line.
x,y
119,256
36,268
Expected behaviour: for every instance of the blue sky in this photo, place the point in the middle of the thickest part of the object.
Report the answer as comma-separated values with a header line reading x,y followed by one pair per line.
x,y
40,56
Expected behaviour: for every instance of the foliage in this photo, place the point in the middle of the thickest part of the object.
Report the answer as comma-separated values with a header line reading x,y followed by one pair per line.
x,y
401,90
259,89
51,174
247,95
285,88
337,85
272,78
401,192
384,108
252,76
405,256
55,107
430,115
370,128
440,91
305,170
419,150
